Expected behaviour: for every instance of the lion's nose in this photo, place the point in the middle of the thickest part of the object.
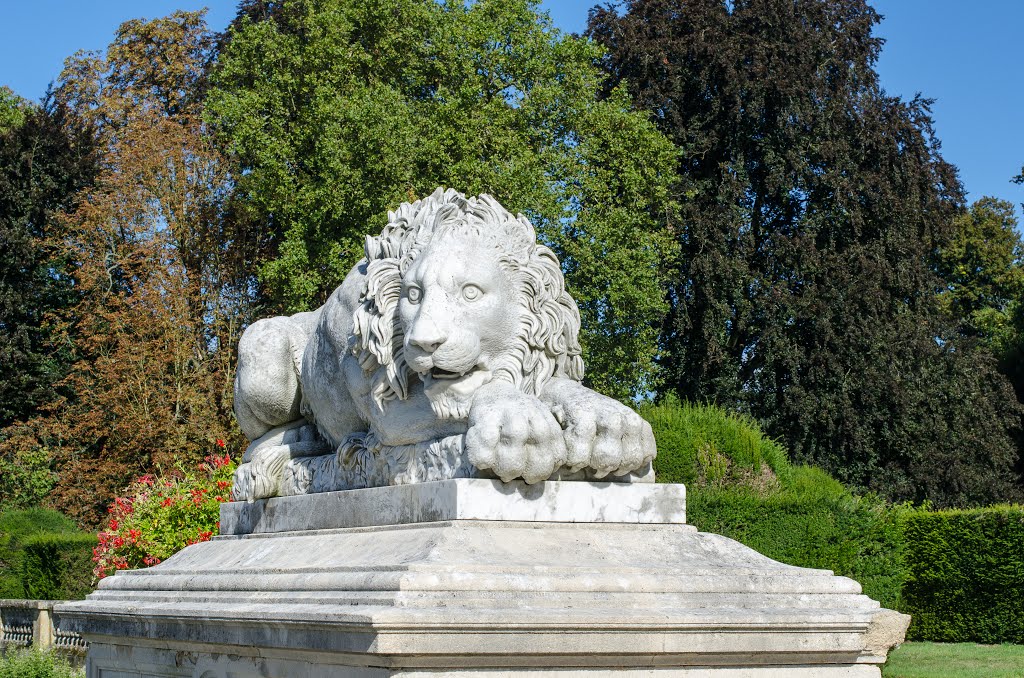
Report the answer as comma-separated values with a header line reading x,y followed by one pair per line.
x,y
428,339
427,345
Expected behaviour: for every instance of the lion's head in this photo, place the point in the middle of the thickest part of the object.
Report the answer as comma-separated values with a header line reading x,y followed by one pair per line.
x,y
458,293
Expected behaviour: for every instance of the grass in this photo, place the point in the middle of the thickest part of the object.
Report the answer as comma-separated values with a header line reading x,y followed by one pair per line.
x,y
955,660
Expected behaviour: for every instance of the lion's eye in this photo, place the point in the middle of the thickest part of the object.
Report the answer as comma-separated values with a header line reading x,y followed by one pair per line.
x,y
472,292
414,294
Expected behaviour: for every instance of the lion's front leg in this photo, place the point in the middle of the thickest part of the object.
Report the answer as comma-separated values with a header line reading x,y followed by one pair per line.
x,y
513,434
600,433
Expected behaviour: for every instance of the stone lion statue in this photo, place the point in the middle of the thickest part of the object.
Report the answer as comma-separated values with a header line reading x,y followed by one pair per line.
x,y
450,350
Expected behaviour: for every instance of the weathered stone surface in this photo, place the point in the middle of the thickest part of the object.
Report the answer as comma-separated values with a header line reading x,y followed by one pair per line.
x,y
460,499
473,596
451,348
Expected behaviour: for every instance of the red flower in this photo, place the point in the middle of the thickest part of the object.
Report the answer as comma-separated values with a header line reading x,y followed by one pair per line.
x,y
167,502
223,484
220,443
113,524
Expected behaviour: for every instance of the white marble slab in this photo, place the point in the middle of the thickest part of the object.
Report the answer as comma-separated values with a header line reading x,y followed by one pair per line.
x,y
460,499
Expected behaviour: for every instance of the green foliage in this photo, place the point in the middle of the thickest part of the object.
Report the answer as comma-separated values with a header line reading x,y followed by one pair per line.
x,y
16,529
159,516
44,161
57,566
812,208
705,446
983,263
742,486
12,110
335,111
36,664
26,477
966,575
984,266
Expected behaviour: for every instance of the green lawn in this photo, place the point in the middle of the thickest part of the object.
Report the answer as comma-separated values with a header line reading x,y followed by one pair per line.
x,y
955,660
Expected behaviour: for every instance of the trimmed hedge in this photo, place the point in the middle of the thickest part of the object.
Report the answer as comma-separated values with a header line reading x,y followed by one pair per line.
x,y
58,566
16,527
706,446
855,537
966,575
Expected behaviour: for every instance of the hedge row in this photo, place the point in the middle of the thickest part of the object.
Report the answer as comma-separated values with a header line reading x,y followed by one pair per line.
x,y
58,566
965,575
17,528
703,445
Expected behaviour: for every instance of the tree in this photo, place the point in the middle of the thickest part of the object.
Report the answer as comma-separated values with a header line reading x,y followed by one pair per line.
x,y
45,159
12,110
813,207
160,272
335,111
983,264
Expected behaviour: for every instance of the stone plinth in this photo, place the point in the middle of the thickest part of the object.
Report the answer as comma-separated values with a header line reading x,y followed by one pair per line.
x,y
460,499
477,584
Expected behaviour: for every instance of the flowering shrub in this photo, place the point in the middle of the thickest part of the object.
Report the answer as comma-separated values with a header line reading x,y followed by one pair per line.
x,y
159,516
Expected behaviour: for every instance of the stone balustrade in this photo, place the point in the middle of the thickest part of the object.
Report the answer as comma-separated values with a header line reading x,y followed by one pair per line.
x,y
30,623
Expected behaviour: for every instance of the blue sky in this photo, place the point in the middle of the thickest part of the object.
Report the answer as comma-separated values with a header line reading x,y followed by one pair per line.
x,y
963,54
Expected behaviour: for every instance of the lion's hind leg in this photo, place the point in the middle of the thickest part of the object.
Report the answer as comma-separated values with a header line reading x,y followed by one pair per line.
x,y
267,386
263,465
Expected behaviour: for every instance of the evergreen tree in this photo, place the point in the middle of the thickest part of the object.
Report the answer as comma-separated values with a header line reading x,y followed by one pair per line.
x,y
813,207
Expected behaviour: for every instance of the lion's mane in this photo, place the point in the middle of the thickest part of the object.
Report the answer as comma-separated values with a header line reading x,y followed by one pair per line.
x,y
549,319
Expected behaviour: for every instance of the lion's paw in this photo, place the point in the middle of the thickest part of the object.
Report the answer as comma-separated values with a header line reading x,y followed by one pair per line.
x,y
604,435
514,434
260,478
261,473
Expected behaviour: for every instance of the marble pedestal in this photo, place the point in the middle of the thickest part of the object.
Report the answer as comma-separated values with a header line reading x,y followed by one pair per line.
x,y
478,578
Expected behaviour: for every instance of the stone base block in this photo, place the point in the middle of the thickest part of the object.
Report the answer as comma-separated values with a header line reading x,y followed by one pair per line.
x,y
460,499
480,598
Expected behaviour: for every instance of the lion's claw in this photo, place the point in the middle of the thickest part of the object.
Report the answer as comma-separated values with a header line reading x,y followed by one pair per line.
x,y
601,434
514,435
